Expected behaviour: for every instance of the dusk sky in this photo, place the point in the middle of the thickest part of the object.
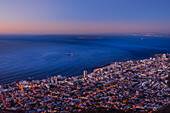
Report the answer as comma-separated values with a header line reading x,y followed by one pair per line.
x,y
84,16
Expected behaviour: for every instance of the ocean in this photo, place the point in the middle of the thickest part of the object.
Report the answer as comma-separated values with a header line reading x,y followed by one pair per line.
x,y
42,56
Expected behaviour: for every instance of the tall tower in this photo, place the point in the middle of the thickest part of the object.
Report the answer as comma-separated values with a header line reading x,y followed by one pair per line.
x,y
84,73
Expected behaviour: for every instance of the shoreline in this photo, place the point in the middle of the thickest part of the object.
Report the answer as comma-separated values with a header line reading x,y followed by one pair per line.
x,y
89,72
145,80
16,66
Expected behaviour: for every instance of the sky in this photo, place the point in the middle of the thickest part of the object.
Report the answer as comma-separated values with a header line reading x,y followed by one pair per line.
x,y
84,16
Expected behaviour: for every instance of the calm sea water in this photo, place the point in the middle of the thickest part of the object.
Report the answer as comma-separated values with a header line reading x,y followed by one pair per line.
x,y
44,56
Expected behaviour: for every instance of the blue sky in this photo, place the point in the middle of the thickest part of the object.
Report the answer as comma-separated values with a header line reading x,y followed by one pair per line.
x,y
61,16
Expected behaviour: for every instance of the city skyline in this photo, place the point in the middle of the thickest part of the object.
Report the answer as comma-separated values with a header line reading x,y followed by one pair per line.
x,y
84,17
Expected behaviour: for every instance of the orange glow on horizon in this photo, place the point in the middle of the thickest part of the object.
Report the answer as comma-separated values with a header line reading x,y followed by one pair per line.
x,y
77,28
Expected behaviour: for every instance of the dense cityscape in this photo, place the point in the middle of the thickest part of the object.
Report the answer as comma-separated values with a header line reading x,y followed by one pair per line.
x,y
139,86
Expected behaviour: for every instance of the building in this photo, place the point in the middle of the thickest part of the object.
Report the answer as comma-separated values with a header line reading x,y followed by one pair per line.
x,y
84,73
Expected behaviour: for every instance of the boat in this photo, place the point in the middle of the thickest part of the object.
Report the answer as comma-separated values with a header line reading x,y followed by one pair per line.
x,y
69,54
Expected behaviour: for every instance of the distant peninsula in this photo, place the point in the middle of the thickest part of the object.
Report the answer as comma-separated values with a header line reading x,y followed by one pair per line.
x,y
90,37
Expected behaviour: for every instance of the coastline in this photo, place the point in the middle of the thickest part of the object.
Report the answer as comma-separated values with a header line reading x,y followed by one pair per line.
x,y
89,70
113,76
30,59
